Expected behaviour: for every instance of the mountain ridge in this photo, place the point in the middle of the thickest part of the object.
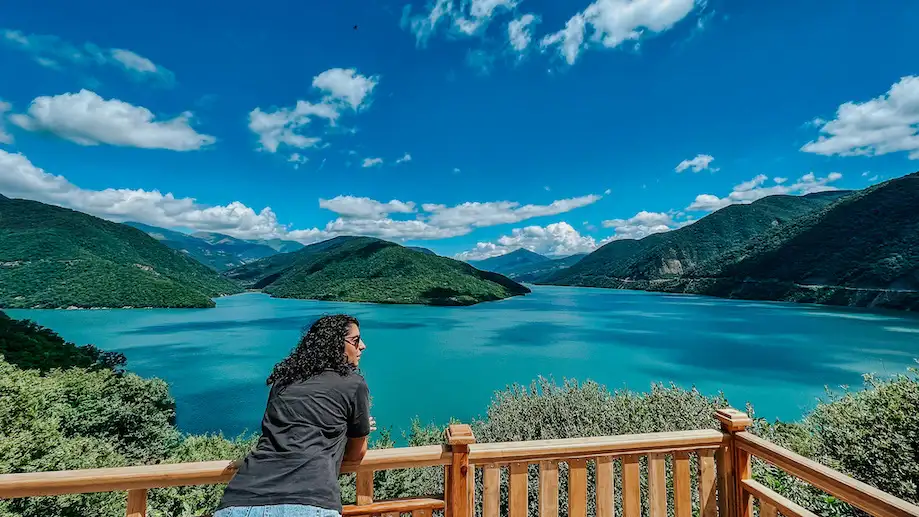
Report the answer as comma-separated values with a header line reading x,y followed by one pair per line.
x,y
366,269
54,257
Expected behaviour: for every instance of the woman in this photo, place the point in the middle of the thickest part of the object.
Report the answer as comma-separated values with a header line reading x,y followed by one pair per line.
x,y
317,416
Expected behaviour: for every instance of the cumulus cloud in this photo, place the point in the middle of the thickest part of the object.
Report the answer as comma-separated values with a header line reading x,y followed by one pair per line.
x,y
519,32
346,85
86,118
641,225
465,17
886,124
342,90
612,22
500,212
698,164
750,191
372,162
555,239
356,215
49,51
405,158
5,138
365,208
20,178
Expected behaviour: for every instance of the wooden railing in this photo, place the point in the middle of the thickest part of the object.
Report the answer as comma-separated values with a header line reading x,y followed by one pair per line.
x,y
718,463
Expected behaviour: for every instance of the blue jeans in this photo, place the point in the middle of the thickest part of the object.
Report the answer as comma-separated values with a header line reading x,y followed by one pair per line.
x,y
277,510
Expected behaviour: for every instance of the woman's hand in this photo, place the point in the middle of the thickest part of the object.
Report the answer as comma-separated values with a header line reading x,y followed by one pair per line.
x,y
373,424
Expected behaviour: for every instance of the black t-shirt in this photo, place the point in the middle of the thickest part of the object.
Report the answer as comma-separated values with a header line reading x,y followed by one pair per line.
x,y
304,432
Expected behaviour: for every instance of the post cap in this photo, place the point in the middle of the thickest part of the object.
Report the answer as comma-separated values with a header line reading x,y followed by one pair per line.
x,y
459,434
733,420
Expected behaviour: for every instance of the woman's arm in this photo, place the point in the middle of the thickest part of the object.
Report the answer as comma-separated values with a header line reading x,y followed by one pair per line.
x,y
355,449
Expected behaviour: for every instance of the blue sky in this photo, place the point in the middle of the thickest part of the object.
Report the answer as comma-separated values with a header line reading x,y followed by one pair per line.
x,y
549,125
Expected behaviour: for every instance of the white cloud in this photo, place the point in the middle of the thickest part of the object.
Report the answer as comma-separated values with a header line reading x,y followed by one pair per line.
x,y
342,89
456,170
86,118
5,138
372,162
405,158
500,212
365,208
750,191
698,164
779,180
356,215
465,17
554,240
297,160
20,178
641,225
519,32
346,85
886,124
612,22
50,51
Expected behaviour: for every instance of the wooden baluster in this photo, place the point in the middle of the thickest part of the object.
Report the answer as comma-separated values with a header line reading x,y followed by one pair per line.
x,y
605,488
631,487
682,496
548,489
364,487
491,494
735,465
577,488
708,500
519,500
137,503
766,509
657,485
459,437
391,514
421,513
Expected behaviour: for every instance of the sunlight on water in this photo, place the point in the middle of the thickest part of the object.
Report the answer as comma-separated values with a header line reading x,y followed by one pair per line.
x,y
437,362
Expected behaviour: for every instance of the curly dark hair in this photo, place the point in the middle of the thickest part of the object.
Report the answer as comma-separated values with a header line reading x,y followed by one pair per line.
x,y
321,348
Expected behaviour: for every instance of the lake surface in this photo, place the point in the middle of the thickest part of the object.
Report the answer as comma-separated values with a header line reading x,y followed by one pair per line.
x,y
439,362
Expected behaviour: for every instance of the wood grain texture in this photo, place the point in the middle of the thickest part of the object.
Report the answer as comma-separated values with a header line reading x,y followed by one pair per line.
x,y
631,487
137,503
519,499
548,489
491,493
657,485
577,488
708,500
364,488
682,491
605,487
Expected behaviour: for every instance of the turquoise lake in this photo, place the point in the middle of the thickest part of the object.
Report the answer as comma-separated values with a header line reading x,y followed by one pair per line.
x,y
437,362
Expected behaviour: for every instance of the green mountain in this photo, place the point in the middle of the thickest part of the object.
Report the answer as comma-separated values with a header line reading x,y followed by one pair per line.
x,y
53,257
507,264
422,250
634,264
220,252
364,269
541,270
861,251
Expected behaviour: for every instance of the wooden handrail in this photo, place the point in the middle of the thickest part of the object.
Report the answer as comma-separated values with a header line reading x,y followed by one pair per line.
x,y
850,490
787,507
539,450
198,473
393,506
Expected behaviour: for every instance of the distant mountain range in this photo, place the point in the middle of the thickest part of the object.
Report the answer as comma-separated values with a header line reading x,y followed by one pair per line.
x,y
364,269
524,265
52,257
838,248
216,250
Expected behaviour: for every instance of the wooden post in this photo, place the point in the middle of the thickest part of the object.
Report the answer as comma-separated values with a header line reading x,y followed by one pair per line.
x,y
733,466
457,490
137,503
